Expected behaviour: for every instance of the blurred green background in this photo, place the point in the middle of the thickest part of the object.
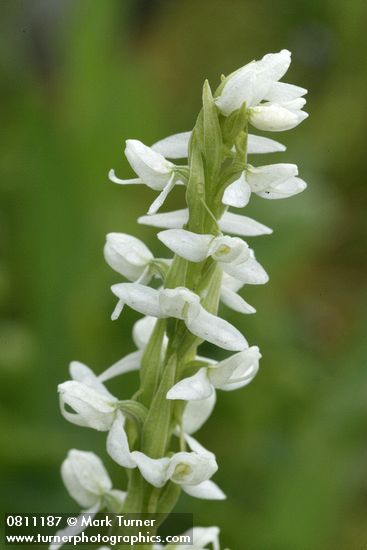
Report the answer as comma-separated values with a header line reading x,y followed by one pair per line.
x,y
77,79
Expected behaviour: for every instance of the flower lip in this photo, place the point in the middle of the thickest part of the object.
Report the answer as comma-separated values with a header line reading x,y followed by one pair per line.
x,y
229,249
191,468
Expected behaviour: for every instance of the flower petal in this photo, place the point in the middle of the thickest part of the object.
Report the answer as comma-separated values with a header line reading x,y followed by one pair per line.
x,y
196,447
206,490
153,470
143,299
273,117
192,388
142,331
188,245
288,188
234,301
246,371
263,145
239,88
118,444
217,331
250,272
173,147
169,220
242,365
237,193
242,225
81,373
282,91
275,65
128,363
264,178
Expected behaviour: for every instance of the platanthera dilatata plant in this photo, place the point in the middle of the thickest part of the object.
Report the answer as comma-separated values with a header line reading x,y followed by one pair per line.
x,y
151,434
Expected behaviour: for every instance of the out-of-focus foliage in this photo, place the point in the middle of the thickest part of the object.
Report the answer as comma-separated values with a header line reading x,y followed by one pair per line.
x,y
77,79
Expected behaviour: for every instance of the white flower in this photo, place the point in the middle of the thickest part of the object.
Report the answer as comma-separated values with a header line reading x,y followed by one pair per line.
x,y
183,304
258,81
177,146
192,470
233,254
153,170
93,408
85,478
272,181
182,468
89,484
201,537
229,223
252,82
93,405
235,372
128,256
229,297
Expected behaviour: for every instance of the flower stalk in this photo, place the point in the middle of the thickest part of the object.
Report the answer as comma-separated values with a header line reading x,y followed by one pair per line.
x,y
150,434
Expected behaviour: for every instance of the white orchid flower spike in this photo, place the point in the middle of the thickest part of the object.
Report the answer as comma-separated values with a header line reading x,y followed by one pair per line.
x,y
232,253
231,374
183,304
152,169
152,432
